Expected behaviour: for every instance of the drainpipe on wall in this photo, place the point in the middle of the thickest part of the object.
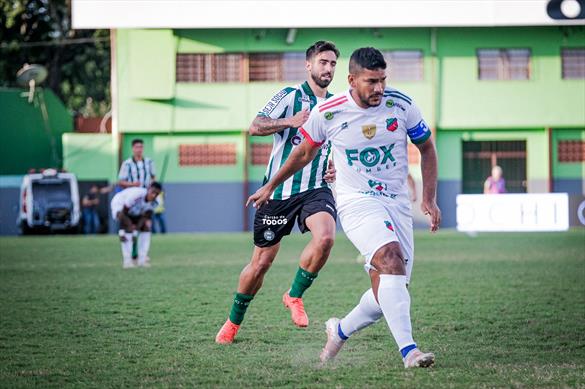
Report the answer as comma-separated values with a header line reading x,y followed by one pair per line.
x,y
551,186
246,185
116,136
435,87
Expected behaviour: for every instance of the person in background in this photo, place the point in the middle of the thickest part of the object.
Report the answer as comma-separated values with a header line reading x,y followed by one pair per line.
x,y
133,209
89,204
137,171
495,184
159,215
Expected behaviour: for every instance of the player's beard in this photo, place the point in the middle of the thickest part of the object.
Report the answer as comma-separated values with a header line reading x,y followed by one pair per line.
x,y
366,100
322,83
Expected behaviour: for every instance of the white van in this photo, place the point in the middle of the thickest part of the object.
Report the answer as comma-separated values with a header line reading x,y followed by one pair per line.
x,y
49,202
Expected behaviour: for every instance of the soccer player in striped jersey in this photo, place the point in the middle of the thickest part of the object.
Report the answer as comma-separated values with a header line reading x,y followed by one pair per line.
x,y
305,198
368,127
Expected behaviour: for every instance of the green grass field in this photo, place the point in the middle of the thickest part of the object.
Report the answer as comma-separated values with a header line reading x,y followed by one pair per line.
x,y
499,310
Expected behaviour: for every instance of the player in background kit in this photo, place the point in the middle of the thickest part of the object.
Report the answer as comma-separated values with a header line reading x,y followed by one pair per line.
x,y
133,208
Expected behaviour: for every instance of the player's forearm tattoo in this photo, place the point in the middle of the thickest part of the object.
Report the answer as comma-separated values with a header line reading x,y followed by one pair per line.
x,y
263,125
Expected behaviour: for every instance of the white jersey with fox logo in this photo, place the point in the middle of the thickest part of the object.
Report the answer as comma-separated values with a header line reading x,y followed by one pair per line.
x,y
370,153
287,103
369,145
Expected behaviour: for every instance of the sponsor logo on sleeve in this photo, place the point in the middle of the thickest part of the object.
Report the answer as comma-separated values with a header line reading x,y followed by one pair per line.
x,y
391,104
296,140
269,107
328,115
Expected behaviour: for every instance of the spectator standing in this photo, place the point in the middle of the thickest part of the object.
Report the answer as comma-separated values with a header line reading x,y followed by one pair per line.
x,y
89,204
495,184
159,215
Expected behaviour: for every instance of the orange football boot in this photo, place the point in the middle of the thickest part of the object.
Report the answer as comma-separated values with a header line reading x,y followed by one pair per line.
x,y
297,309
227,332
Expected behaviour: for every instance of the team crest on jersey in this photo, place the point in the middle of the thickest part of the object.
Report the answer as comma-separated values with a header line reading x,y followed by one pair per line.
x,y
328,115
369,130
389,225
391,124
389,103
377,185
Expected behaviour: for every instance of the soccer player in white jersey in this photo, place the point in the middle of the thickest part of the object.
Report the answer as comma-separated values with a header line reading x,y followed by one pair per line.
x,y
368,127
133,208
305,198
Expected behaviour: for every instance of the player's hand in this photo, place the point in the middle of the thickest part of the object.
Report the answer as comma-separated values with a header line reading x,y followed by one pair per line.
x,y
260,198
330,173
430,208
299,118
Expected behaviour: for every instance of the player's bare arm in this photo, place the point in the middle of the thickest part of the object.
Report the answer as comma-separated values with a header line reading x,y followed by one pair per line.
x,y
144,220
263,125
330,173
300,157
128,184
429,175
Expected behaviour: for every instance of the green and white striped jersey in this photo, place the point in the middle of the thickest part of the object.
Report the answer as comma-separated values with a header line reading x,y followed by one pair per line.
x,y
287,103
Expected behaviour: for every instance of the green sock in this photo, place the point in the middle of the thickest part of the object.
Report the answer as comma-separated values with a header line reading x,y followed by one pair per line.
x,y
134,249
302,281
241,302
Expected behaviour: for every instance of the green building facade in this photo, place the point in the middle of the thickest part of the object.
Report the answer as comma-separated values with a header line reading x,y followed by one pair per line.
x,y
528,117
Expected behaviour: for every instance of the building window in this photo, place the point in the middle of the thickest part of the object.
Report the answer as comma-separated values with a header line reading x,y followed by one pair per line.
x,y
207,154
210,68
405,65
504,64
277,66
571,151
261,153
573,63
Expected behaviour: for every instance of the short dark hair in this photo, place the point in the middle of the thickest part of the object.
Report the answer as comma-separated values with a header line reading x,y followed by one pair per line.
x,y
156,185
319,47
137,140
366,58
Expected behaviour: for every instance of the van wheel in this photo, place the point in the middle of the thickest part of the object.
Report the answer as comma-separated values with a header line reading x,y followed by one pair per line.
x,y
25,229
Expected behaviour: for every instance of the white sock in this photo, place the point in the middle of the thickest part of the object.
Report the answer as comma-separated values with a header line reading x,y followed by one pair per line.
x,y
395,303
143,247
127,248
365,313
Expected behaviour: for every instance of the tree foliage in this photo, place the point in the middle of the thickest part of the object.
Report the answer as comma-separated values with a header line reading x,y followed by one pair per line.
x,y
78,61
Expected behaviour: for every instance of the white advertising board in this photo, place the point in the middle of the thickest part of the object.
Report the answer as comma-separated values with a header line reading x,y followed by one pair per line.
x,y
513,212
323,13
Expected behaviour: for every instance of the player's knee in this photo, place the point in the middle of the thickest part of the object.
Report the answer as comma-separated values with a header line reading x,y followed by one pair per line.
x,y
262,263
389,260
326,242
261,266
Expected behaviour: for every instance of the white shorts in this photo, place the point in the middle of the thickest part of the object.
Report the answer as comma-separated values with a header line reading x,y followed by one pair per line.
x,y
371,223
